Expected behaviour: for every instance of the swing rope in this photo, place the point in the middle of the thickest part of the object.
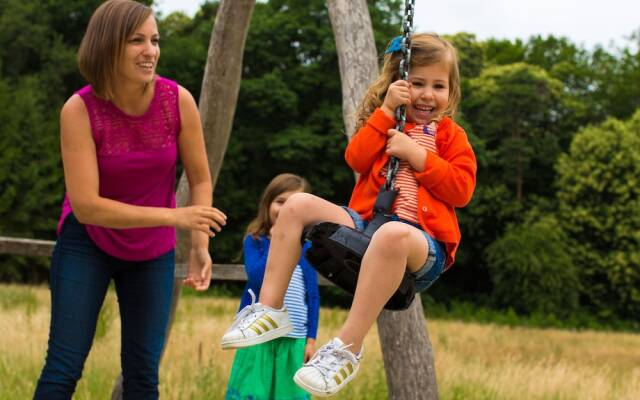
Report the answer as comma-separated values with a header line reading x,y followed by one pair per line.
x,y
401,112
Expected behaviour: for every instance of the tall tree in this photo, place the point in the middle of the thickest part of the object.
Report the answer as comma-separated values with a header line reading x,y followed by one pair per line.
x,y
515,109
404,340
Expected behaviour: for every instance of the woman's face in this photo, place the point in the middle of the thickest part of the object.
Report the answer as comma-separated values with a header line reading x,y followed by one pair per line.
x,y
277,203
141,53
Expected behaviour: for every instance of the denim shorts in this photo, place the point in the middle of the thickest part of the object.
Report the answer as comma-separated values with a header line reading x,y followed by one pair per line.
x,y
434,266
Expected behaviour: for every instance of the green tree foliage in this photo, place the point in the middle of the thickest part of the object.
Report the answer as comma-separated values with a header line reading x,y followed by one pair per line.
x,y
617,79
504,52
531,270
515,109
471,57
599,208
596,82
184,46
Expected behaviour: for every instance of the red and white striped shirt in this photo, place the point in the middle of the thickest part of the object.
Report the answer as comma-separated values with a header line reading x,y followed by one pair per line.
x,y
406,204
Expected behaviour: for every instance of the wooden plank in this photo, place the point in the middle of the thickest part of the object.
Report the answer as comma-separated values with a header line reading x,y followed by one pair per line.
x,y
44,248
26,247
236,272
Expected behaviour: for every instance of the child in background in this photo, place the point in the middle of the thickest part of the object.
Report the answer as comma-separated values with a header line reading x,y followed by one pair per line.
x,y
265,371
437,174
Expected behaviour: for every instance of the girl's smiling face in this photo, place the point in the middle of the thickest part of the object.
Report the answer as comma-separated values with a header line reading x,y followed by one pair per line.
x,y
429,92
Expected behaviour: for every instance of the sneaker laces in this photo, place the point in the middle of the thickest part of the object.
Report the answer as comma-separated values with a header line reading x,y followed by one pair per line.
x,y
327,359
245,318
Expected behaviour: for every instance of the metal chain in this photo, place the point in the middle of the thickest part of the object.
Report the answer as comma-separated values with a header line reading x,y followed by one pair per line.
x,y
401,112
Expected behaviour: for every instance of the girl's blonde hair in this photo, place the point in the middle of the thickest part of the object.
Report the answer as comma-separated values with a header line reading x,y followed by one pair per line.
x,y
261,224
426,49
104,41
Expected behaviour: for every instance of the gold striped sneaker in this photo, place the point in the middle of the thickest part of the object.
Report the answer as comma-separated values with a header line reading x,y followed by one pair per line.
x,y
332,367
255,324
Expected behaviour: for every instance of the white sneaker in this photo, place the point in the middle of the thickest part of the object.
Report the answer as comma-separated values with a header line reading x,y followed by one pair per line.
x,y
332,367
255,324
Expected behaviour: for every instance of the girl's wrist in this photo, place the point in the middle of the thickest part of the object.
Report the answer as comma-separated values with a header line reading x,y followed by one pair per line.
x,y
388,111
419,159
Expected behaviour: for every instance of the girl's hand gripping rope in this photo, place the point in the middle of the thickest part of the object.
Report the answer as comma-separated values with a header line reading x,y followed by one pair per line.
x,y
403,147
398,94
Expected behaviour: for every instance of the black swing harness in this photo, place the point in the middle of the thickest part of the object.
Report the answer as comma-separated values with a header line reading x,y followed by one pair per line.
x,y
336,250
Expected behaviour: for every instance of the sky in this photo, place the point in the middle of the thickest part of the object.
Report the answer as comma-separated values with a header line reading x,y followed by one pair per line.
x,y
584,22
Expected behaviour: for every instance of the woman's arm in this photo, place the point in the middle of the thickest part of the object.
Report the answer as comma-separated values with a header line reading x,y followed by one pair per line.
x,y
194,159
82,184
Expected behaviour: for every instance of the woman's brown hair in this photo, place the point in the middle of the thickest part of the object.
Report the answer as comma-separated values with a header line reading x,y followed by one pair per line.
x,y
426,49
103,43
261,224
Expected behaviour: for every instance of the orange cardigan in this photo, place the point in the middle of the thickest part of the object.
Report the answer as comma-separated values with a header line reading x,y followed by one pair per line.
x,y
447,181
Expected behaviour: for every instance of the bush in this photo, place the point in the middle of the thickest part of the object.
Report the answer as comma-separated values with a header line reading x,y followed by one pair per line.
x,y
531,270
599,208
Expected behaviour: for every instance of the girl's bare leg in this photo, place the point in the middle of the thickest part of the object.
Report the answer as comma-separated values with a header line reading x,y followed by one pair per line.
x,y
395,247
300,210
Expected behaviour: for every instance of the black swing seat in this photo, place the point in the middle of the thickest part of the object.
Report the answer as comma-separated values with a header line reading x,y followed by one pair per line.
x,y
336,253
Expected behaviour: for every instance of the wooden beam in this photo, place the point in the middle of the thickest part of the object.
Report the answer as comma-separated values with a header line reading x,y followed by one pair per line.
x,y
26,247
44,248
236,272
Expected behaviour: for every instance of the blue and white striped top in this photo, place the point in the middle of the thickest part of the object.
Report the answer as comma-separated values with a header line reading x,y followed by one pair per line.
x,y
302,298
296,304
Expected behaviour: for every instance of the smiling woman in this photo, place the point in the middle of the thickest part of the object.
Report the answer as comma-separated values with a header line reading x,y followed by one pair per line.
x,y
121,136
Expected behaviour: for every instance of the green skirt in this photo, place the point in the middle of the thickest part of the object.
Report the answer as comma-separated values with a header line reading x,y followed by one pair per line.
x,y
265,371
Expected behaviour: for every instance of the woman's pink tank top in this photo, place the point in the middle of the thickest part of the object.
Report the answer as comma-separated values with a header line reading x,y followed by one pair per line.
x,y
137,158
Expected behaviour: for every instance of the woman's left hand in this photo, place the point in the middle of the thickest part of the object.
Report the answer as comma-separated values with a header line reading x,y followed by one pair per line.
x,y
403,147
199,273
309,349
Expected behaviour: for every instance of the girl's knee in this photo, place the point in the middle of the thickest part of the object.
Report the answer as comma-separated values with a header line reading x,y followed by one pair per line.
x,y
392,236
297,205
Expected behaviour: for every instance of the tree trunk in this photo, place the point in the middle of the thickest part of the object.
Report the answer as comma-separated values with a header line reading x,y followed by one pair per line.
x,y
406,348
218,98
407,354
357,54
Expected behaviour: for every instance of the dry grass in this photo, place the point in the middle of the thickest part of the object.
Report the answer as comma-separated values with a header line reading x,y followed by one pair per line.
x,y
472,361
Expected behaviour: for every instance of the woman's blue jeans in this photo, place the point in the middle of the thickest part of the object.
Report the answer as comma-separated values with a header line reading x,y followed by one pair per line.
x,y
80,277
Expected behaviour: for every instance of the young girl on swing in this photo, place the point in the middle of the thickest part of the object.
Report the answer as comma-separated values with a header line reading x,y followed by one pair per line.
x,y
437,174
265,371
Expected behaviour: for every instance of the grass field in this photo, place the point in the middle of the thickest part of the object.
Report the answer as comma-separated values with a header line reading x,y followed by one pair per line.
x,y
472,361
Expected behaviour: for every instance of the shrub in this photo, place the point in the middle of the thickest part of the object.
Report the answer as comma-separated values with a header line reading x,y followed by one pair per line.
x,y
531,270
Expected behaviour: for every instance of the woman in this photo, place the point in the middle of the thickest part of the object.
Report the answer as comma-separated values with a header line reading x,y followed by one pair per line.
x,y
120,140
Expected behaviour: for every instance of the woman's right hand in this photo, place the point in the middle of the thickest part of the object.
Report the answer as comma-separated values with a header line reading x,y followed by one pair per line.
x,y
397,94
200,218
